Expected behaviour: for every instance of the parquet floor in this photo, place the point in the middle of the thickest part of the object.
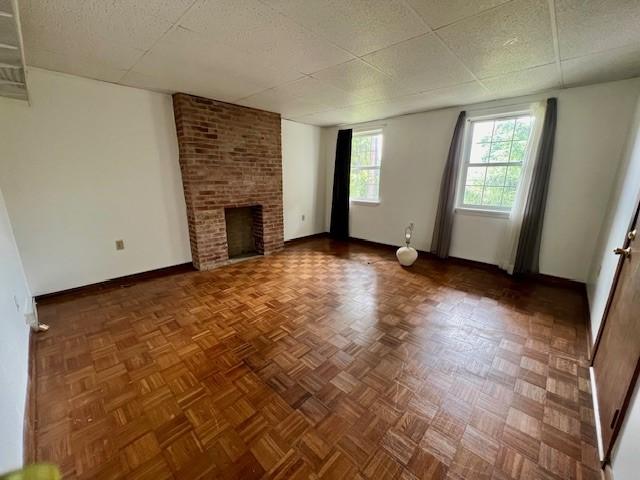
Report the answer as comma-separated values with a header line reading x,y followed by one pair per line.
x,y
324,361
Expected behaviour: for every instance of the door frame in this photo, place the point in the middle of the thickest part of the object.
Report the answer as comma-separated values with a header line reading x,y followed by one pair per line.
x,y
614,284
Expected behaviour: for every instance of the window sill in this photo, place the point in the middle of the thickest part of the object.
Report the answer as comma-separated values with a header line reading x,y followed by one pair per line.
x,y
482,213
371,203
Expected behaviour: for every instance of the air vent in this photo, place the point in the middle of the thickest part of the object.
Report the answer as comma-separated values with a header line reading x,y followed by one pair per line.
x,y
12,77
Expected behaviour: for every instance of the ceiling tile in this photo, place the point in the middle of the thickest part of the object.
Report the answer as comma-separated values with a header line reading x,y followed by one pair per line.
x,y
438,13
525,82
512,37
597,25
421,64
72,47
278,101
83,66
360,26
615,64
129,23
468,93
315,91
223,71
352,75
253,27
347,115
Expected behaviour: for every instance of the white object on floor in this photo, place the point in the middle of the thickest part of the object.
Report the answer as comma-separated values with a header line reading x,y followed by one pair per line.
x,y
406,256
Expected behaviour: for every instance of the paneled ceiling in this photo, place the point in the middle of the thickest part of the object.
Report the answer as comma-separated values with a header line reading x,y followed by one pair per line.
x,y
327,62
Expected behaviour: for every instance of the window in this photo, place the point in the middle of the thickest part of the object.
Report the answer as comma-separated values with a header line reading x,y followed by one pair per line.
x,y
366,154
495,151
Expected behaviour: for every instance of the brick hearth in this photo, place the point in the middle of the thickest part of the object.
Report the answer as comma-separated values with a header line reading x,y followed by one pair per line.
x,y
230,156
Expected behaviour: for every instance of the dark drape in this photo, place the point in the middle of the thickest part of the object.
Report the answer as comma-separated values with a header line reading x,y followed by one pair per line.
x,y
444,218
341,177
528,251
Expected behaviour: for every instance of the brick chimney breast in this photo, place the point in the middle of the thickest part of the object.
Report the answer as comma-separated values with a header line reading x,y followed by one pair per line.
x,y
230,156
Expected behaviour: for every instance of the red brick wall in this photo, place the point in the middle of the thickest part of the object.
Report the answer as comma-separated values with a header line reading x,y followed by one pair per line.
x,y
230,156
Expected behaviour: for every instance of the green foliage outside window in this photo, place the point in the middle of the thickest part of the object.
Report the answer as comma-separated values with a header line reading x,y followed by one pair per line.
x,y
498,150
366,153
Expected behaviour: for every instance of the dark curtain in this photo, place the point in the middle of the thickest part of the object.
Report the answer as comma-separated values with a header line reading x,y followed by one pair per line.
x,y
341,179
528,251
441,239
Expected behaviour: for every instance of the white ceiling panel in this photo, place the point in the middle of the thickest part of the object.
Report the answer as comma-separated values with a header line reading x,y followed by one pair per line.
x,y
128,23
278,101
421,64
227,71
253,27
525,82
438,13
593,26
353,75
614,64
336,61
83,66
359,26
471,92
512,37
315,91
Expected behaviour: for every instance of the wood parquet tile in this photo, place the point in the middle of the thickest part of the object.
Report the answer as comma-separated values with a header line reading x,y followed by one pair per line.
x,y
325,361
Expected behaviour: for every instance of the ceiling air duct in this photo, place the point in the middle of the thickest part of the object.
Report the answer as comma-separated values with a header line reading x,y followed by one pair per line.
x,y
12,75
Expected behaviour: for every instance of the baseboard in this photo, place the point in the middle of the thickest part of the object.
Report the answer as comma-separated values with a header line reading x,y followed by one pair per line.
x,y
538,277
119,282
306,238
30,414
596,413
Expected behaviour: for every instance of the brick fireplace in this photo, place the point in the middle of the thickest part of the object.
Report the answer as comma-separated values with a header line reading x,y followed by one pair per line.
x,y
230,157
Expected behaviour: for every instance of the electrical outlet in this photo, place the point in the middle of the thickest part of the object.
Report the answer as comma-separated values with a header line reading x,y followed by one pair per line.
x,y
303,217
119,244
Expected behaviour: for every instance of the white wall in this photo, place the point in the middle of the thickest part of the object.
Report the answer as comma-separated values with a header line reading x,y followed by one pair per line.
x,y
614,226
15,299
303,178
86,164
626,455
625,459
593,122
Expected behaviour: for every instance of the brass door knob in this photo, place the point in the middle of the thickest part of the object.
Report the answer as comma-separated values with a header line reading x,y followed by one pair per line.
x,y
625,252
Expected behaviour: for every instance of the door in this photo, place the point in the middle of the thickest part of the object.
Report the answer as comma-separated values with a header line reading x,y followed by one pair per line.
x,y
616,359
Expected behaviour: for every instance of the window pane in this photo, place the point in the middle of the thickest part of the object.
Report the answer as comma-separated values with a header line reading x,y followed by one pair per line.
x,y
499,141
517,151
500,152
523,128
495,176
503,130
492,196
366,150
475,175
482,131
364,184
472,195
508,197
513,175
479,153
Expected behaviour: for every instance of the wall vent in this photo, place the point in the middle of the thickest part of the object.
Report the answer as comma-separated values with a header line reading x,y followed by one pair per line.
x,y
13,82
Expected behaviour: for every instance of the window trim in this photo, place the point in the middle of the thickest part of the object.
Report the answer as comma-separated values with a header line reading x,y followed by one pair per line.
x,y
486,210
362,132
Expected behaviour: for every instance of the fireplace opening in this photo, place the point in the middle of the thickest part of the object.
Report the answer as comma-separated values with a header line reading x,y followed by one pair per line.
x,y
244,231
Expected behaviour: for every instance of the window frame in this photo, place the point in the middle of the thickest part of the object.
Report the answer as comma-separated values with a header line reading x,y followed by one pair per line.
x,y
488,210
370,131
